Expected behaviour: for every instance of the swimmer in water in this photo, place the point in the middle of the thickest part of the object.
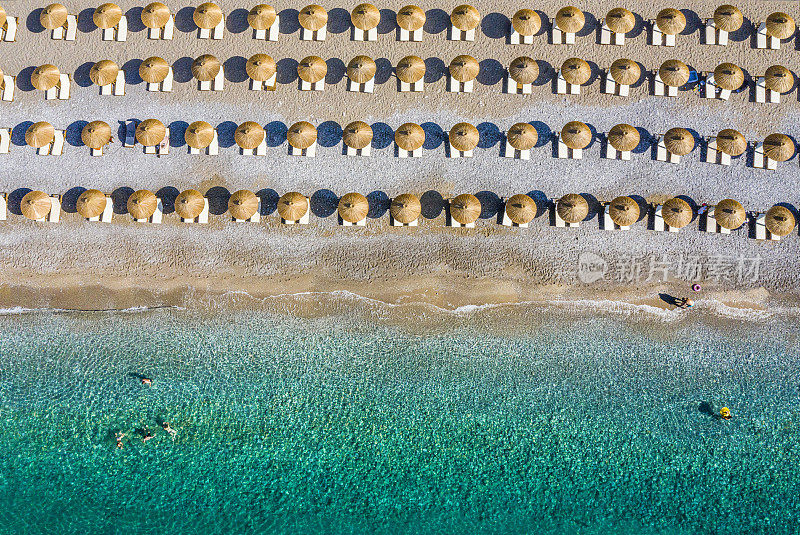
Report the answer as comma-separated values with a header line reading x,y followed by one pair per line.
x,y
169,430
147,435
725,413
119,436
147,382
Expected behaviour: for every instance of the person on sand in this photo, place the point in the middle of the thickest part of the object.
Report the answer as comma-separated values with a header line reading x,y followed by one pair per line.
x,y
169,430
687,303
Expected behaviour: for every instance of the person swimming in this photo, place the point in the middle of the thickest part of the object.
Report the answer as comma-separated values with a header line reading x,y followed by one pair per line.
x,y
169,430
147,382
725,413
147,435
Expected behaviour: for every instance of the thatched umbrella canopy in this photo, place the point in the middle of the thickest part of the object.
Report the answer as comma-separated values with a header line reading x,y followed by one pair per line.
x,y
40,134
365,17
189,204
728,18
624,211
671,21
410,18
464,68
104,72
45,77
522,136
526,22
155,15
53,16
576,71
357,135
576,135
361,69
409,136
521,209
2,81
780,26
464,137
405,208
96,134
465,208
674,72
207,15
261,17
260,67
353,207
679,141
410,69
620,20
107,15
729,214
206,67
523,70
154,70
778,147
677,213
199,135
624,137
778,78
625,71
312,69
243,204
301,135
570,19
35,205
465,17
292,206
780,221
150,132
572,208
2,17
731,142
142,204
313,17
91,203
249,135
728,76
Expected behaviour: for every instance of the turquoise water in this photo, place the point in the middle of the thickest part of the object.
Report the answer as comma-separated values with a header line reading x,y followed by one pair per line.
x,y
346,425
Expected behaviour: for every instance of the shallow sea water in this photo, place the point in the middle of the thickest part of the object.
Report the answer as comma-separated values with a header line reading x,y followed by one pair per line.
x,y
347,425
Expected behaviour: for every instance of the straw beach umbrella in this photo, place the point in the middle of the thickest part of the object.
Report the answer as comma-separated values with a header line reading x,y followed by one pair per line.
x,y
728,18
625,71
91,203
53,16
353,207
671,21
410,69
572,208
365,17
521,209
155,15
576,71
570,19
150,132
731,142
623,211
260,67
357,135
189,204
35,205
292,206
729,214
361,69
677,213
526,22
620,20
405,208
576,135
301,135
206,67
674,72
464,137
679,141
261,17
107,15
313,17
45,77
2,17
464,68
465,208
624,137
243,204
199,135
312,69
249,135
523,70
728,76
409,137
410,18
780,26
96,134
778,147
154,70
522,136
465,17
104,72
142,204
207,15
39,134
780,221
779,79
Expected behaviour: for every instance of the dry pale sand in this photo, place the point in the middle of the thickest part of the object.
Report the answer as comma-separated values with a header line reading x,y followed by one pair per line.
x,y
451,268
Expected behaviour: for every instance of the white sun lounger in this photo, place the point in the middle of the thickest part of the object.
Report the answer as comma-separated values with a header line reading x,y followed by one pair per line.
x,y
367,87
217,84
350,151
268,85
560,223
760,160
58,143
712,91
711,223
613,88
304,220
663,155
72,28
507,222
511,152
764,95
416,87
764,41
96,152
716,156
214,33
64,87
358,34
454,34
452,152
608,223
9,82
557,37
211,150
454,86
515,38
659,38
54,216
453,223
308,35
613,154
607,37
660,89
514,88
5,140
164,33
408,154
762,233
714,36
310,152
271,33
8,32
157,216
165,86
567,153
3,207
406,36
342,222
658,221
117,33
564,88
261,150
317,86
